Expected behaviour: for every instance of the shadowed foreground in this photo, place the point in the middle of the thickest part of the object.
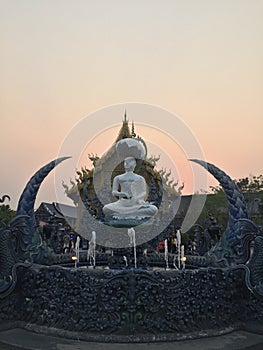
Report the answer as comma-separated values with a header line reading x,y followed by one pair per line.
x,y
16,339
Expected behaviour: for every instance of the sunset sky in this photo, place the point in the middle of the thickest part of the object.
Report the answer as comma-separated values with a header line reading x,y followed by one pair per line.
x,y
63,61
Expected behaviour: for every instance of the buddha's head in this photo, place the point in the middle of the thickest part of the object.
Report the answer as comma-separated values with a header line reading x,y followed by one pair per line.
x,y
129,163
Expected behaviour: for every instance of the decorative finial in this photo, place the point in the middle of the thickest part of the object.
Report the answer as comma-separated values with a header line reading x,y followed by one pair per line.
x,y
132,131
125,117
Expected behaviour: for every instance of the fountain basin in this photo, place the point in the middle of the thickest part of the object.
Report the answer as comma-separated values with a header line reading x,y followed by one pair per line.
x,y
135,305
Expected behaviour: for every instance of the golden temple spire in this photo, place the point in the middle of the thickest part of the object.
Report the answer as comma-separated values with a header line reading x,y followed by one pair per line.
x,y
125,130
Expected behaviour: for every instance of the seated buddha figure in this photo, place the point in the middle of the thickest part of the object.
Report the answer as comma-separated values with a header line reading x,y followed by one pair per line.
x,y
131,191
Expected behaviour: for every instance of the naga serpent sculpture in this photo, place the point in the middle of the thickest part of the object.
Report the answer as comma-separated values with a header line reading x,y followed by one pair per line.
x,y
234,247
16,245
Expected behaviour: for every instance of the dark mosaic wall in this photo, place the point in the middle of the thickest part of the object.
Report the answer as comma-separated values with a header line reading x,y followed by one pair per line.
x,y
131,301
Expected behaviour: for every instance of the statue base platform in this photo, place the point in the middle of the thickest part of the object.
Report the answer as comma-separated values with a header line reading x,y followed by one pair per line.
x,y
125,221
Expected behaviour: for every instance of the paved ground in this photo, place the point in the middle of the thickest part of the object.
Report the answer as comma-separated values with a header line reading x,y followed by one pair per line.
x,y
17,339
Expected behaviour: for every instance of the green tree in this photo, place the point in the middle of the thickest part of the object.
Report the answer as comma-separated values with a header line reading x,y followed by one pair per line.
x,y
217,205
251,184
252,188
6,213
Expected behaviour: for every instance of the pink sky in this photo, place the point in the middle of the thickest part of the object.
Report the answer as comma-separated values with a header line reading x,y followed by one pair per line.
x,y
62,60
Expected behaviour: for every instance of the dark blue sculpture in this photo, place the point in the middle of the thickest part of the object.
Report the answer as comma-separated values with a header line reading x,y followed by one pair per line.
x,y
234,247
16,246
28,197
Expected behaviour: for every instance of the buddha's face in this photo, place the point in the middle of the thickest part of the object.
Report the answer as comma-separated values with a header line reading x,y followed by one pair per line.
x,y
129,163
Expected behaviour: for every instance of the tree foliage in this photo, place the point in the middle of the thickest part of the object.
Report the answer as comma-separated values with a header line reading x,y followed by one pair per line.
x,y
251,184
216,203
6,213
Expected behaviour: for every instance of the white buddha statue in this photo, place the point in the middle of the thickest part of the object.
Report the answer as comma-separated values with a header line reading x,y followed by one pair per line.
x,y
131,191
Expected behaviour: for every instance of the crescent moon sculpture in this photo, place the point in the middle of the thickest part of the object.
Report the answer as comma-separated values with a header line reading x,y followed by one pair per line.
x,y
28,196
233,247
19,231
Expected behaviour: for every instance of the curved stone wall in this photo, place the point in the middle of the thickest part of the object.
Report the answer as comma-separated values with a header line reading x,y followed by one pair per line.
x,y
132,304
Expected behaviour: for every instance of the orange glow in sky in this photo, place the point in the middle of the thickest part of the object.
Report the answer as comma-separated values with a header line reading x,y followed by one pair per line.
x,y
62,60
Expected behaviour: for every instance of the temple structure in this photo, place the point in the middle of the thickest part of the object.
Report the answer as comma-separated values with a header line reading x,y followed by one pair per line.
x,y
161,189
